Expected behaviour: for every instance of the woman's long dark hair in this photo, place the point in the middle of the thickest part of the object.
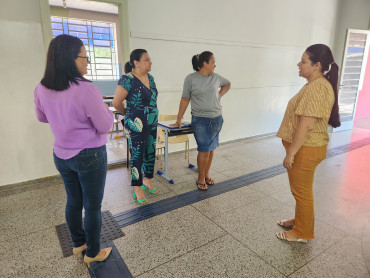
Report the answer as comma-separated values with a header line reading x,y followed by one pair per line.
x,y
61,67
199,59
134,56
322,53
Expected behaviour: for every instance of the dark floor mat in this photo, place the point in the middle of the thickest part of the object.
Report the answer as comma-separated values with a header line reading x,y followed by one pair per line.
x,y
109,231
112,267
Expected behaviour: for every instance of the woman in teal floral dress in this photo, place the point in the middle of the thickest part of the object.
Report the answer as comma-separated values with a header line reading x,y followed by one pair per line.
x,y
141,116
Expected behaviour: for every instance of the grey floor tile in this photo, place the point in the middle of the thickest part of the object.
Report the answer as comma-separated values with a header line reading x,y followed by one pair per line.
x,y
246,167
366,230
224,162
66,267
343,259
347,137
228,202
223,257
157,240
118,176
342,194
171,245
365,245
258,151
352,224
24,222
240,171
276,187
190,185
37,254
180,174
33,185
33,199
129,203
118,191
255,225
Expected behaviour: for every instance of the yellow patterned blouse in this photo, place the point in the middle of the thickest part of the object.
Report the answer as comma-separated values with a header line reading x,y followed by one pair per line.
x,y
315,99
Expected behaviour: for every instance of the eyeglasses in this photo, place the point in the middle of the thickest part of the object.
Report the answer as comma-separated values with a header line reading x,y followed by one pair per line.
x,y
86,57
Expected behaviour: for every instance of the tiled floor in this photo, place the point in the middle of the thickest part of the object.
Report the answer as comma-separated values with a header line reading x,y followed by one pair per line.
x,y
117,146
229,235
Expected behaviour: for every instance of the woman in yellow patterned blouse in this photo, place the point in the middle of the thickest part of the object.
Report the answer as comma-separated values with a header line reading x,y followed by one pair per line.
x,y
304,132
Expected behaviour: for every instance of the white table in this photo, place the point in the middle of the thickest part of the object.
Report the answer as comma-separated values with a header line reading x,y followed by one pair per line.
x,y
173,131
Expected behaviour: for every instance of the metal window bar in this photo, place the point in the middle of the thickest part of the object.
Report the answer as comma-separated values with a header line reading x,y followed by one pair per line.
x,y
98,38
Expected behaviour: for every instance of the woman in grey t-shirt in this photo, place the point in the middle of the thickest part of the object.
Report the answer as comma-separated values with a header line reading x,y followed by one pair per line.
x,y
202,89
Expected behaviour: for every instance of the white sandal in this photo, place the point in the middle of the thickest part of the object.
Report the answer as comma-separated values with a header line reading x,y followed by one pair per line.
x,y
281,235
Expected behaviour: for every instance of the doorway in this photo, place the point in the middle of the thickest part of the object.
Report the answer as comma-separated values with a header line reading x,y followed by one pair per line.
x,y
351,84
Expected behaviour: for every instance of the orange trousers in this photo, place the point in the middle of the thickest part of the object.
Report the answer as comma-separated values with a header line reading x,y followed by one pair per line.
x,y
301,184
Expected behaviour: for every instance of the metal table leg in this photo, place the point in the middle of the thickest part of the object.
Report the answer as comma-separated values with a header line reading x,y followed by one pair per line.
x,y
165,175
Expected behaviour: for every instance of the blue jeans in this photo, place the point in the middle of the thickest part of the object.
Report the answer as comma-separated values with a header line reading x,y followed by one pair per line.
x,y
84,180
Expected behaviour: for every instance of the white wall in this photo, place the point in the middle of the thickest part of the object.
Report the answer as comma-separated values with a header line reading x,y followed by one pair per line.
x,y
25,144
257,45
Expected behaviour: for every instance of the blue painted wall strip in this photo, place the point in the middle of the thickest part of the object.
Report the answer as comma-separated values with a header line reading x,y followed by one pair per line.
x,y
138,214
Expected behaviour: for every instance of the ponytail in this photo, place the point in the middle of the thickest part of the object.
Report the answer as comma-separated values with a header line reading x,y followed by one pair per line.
x,y
128,67
134,56
199,59
195,62
332,76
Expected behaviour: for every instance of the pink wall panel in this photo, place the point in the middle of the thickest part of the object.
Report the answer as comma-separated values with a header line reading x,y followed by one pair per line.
x,y
363,102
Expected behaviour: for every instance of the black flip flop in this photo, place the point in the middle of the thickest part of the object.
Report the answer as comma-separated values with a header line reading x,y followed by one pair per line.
x,y
202,189
210,179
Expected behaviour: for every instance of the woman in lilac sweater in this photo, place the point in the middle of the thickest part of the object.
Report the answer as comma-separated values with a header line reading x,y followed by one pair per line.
x,y
80,122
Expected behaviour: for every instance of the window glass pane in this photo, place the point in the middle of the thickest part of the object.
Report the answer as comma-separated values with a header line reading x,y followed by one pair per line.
x,y
102,60
98,39
100,24
103,72
65,28
102,43
104,66
106,77
79,35
78,28
101,37
57,26
104,53
57,32
111,34
100,30
74,21
56,19
85,42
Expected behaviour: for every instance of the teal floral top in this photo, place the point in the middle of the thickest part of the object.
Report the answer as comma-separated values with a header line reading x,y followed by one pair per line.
x,y
141,111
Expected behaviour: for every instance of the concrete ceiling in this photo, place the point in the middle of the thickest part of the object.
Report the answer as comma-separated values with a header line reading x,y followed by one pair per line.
x,y
86,5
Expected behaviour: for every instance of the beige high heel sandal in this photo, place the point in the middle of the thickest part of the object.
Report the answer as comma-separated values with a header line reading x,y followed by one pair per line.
x,y
77,252
98,258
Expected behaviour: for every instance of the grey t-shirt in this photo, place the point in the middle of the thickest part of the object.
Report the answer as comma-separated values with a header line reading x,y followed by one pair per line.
x,y
203,92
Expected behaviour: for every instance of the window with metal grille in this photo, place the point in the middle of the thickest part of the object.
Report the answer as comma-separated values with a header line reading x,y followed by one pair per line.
x,y
100,43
